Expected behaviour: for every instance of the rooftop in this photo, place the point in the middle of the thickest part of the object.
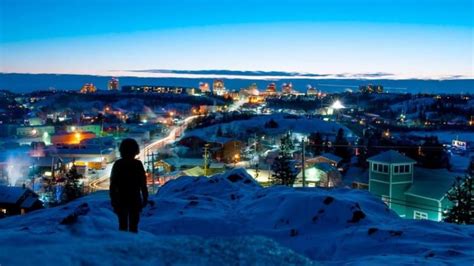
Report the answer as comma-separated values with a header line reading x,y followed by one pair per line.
x,y
391,157
431,183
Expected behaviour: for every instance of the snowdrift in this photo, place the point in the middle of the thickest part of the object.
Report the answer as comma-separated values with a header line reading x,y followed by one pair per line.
x,y
231,219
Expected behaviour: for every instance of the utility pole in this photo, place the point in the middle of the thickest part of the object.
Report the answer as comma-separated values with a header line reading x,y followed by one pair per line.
x,y
153,172
206,157
257,169
303,166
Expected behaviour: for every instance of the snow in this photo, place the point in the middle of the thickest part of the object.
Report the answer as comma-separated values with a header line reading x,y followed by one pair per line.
x,y
445,137
295,124
230,219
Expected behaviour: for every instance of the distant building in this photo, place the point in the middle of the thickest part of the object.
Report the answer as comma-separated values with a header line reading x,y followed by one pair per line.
x,y
218,87
18,200
412,192
156,89
204,87
271,89
371,89
311,90
287,88
34,131
88,88
84,155
71,138
330,158
320,175
113,84
96,129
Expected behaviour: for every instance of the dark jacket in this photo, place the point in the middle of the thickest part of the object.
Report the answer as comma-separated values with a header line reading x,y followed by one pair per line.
x,y
127,181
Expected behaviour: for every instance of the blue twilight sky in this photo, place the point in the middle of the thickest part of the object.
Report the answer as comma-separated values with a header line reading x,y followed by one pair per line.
x,y
409,38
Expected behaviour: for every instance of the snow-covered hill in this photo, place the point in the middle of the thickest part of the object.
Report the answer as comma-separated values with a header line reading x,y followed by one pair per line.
x,y
230,219
296,124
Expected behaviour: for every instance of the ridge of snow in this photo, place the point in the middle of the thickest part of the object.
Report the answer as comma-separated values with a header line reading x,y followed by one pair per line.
x,y
193,218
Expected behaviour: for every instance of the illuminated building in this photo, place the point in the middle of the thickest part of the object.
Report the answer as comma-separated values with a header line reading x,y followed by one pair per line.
x,y
287,88
253,90
218,87
157,89
113,84
311,90
37,131
371,89
88,88
204,87
71,138
271,89
256,99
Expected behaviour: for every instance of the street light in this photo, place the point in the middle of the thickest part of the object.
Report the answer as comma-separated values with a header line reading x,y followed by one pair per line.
x,y
337,105
236,159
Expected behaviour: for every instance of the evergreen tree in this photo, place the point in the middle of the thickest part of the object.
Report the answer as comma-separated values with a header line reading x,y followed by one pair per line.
x,y
287,145
341,146
363,152
271,124
219,132
433,154
284,171
72,187
283,167
315,144
462,197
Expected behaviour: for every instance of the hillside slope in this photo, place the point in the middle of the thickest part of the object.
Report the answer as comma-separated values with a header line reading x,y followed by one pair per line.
x,y
230,218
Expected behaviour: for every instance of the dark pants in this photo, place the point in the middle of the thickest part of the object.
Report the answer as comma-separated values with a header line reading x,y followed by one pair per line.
x,y
128,219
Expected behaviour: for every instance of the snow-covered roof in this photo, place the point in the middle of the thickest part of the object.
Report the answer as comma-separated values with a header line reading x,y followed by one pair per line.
x,y
391,157
179,162
356,174
431,183
331,157
11,195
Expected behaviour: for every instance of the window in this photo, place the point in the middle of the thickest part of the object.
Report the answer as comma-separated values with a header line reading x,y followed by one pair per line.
x,y
417,215
380,168
407,168
402,169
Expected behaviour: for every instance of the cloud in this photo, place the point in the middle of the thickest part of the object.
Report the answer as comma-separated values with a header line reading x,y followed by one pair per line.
x,y
283,74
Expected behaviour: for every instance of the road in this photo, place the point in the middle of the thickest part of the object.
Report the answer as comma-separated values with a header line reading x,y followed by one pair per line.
x,y
102,183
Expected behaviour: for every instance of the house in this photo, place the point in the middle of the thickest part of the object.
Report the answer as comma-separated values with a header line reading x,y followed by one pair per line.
x,y
321,175
410,191
330,158
18,200
222,149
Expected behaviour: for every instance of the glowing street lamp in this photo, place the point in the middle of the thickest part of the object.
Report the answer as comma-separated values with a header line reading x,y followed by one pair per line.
x,y
78,137
337,105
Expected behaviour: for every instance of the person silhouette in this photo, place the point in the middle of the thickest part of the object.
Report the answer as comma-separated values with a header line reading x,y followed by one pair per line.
x,y
128,190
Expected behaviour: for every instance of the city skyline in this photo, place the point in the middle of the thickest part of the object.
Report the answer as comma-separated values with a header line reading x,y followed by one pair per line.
x,y
426,39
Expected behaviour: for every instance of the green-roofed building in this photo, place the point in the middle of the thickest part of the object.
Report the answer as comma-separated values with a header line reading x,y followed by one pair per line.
x,y
412,192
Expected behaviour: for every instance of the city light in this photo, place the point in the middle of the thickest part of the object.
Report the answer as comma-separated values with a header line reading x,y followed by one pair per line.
x,y
337,105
